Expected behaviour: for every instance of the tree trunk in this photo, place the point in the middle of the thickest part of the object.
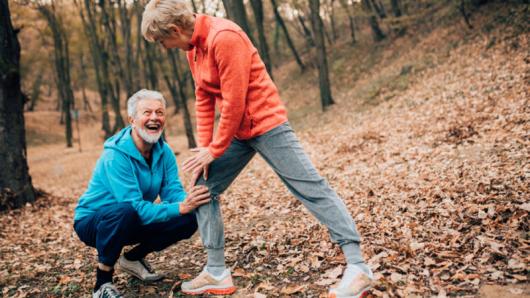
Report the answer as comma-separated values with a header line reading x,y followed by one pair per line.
x,y
257,8
109,23
396,10
16,188
307,33
130,67
287,36
378,8
377,33
323,75
100,62
351,20
35,91
182,96
83,77
62,66
334,34
237,13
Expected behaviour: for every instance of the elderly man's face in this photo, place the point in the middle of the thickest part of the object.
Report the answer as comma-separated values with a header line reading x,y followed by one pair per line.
x,y
149,120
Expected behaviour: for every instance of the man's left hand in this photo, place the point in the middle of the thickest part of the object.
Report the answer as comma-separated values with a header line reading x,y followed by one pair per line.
x,y
198,164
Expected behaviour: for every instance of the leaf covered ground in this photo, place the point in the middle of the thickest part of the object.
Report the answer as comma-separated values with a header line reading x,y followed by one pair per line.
x,y
436,176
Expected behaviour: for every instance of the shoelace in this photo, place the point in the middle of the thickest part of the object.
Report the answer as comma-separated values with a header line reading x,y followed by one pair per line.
x,y
147,266
111,292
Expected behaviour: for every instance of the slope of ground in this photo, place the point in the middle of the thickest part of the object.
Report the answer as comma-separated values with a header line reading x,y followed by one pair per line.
x,y
436,174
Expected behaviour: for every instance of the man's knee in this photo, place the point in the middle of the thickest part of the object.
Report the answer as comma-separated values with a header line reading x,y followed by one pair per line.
x,y
123,213
190,226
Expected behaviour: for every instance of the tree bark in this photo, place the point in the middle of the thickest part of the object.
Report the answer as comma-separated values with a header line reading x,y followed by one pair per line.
x,y
346,7
35,90
99,59
16,188
62,66
181,83
257,8
323,75
377,33
378,8
290,43
396,10
236,12
307,33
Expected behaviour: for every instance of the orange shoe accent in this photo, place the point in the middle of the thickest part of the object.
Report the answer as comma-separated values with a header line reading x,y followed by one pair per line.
x,y
363,295
227,291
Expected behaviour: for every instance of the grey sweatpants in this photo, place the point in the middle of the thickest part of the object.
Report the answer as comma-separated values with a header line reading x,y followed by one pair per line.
x,y
282,151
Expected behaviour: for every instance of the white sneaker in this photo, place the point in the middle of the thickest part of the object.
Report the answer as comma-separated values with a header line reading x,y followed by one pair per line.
x,y
355,283
206,283
107,290
140,269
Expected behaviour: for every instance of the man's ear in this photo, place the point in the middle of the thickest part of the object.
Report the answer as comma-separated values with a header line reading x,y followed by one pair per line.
x,y
131,119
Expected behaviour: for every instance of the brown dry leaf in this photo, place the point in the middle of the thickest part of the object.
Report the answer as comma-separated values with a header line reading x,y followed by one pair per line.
x,y
292,289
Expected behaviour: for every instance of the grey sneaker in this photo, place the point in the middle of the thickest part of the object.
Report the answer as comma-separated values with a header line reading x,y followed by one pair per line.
x,y
205,283
107,290
355,283
140,269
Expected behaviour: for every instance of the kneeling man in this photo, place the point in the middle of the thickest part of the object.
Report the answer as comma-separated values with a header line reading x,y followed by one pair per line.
x,y
117,209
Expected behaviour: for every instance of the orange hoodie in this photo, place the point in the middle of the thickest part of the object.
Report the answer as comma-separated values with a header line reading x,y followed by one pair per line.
x,y
228,72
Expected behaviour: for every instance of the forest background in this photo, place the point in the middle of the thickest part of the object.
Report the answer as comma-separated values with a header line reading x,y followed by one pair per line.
x,y
417,113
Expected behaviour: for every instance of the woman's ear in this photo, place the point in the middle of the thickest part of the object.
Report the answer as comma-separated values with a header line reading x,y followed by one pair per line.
x,y
174,29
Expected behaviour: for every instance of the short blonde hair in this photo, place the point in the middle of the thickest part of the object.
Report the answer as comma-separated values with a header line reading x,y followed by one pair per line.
x,y
159,14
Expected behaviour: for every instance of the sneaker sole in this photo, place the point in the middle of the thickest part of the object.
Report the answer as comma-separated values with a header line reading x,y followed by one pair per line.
x,y
364,294
223,291
140,278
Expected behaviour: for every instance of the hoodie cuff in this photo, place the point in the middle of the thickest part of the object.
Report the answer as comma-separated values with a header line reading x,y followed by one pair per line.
x,y
173,210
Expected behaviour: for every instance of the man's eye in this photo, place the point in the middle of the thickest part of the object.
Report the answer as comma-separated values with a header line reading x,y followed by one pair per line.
x,y
147,113
160,113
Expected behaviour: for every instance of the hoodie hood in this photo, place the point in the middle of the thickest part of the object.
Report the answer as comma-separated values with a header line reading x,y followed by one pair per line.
x,y
123,142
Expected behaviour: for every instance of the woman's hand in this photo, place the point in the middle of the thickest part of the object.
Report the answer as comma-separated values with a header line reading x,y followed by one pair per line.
x,y
198,164
199,195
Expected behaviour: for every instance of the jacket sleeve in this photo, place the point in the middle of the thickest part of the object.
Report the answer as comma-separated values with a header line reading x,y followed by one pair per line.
x,y
233,55
171,190
205,116
123,185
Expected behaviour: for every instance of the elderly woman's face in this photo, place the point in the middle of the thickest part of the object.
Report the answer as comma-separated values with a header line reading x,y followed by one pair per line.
x,y
178,39
150,119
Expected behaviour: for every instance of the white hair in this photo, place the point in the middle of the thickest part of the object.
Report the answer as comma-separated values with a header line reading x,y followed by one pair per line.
x,y
143,94
159,14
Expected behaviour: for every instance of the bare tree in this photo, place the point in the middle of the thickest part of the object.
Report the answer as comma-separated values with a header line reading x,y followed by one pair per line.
x,y
349,12
377,33
396,9
99,59
181,83
323,75
235,10
62,64
16,188
290,43
257,8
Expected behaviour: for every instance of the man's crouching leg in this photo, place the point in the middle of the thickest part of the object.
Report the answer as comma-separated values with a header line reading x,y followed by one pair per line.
x,y
108,230
156,237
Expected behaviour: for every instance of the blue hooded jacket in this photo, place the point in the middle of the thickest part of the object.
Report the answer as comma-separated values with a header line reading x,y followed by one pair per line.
x,y
123,175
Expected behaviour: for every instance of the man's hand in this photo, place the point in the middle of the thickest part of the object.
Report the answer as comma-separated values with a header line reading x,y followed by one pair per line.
x,y
198,164
198,196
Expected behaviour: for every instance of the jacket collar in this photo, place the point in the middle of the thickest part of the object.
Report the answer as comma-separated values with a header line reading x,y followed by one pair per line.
x,y
200,31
